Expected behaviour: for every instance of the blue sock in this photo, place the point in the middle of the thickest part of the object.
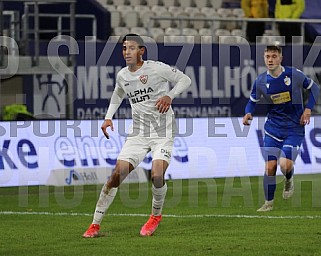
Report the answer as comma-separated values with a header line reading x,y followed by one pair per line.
x,y
269,184
289,175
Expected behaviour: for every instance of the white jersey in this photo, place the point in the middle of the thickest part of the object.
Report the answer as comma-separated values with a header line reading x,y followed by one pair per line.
x,y
143,88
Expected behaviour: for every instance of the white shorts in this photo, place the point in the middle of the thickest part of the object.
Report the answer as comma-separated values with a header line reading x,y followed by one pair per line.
x,y
136,148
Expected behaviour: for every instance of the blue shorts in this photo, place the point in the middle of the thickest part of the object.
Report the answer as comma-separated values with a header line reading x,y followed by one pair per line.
x,y
288,147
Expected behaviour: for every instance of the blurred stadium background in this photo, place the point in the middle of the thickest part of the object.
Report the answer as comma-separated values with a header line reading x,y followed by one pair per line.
x,y
29,26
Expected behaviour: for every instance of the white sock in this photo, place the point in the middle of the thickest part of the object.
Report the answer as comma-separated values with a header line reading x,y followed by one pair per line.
x,y
158,199
269,202
103,203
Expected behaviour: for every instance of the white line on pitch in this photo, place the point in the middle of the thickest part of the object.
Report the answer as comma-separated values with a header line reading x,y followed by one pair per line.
x,y
164,215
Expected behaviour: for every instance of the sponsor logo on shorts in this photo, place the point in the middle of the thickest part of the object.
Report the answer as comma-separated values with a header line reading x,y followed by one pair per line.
x,y
166,153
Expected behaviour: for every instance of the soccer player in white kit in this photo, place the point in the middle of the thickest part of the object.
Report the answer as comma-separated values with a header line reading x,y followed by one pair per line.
x,y
146,84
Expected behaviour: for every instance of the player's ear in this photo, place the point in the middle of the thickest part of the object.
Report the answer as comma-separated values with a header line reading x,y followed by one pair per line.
x,y
142,50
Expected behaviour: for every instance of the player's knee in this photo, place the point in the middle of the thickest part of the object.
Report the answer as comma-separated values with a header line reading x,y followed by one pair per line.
x,y
270,168
117,177
286,165
158,181
286,168
270,172
121,171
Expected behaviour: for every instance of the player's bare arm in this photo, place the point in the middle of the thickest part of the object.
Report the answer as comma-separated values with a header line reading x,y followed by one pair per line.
x,y
107,123
305,117
247,117
163,104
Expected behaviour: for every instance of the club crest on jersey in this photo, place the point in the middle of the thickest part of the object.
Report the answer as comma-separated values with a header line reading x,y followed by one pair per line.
x,y
287,80
143,78
268,86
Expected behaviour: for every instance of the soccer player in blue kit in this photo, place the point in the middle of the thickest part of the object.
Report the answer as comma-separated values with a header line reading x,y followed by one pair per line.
x,y
282,87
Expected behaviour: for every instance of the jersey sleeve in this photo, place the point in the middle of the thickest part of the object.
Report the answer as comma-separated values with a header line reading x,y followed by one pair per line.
x,y
115,101
314,89
255,93
254,98
311,86
178,78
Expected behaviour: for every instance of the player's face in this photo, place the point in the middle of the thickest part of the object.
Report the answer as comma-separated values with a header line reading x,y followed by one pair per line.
x,y
132,53
272,60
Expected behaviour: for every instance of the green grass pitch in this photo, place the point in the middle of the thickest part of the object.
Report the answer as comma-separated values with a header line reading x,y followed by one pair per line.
x,y
200,217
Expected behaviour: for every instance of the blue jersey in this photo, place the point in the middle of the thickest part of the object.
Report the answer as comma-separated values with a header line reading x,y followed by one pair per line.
x,y
284,96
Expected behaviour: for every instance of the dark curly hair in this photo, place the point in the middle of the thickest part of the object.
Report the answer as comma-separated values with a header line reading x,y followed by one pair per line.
x,y
134,37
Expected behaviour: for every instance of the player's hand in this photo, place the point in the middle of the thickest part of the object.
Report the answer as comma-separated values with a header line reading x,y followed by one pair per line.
x,y
305,118
247,118
163,104
107,123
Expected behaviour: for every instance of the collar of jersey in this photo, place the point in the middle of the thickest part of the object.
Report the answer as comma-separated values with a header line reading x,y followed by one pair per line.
x,y
133,72
282,70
